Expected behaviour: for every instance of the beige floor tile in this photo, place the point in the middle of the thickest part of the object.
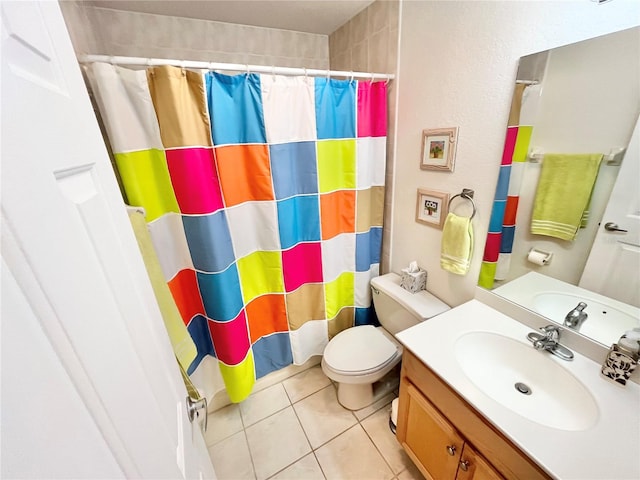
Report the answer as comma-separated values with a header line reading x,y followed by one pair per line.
x,y
352,455
222,424
231,459
276,442
306,468
377,427
263,403
322,417
411,473
305,383
374,407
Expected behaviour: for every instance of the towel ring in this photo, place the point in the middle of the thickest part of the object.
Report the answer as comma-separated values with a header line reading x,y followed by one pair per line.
x,y
467,194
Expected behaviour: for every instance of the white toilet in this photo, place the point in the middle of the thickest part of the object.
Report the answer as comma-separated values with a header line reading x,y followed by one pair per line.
x,y
359,357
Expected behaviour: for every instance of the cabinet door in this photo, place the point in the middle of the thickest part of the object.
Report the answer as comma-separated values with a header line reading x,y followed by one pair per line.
x,y
430,440
473,466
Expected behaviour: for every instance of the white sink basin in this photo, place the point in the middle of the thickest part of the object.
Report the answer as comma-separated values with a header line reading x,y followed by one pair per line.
x,y
604,322
495,364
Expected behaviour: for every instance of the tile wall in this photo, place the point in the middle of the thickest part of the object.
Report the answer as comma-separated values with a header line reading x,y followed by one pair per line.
x,y
115,32
369,43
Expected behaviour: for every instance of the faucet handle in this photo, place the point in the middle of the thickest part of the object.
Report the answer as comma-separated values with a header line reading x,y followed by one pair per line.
x,y
551,328
552,332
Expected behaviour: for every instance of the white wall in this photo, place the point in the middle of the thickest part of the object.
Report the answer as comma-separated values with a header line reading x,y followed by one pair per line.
x,y
458,64
589,104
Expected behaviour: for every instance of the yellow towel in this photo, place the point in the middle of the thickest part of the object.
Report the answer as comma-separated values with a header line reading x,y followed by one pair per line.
x,y
182,343
457,244
563,193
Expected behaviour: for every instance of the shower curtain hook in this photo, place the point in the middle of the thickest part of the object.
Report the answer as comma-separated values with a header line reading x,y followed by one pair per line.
x,y
247,72
386,82
111,59
328,75
305,72
211,66
373,76
351,79
273,71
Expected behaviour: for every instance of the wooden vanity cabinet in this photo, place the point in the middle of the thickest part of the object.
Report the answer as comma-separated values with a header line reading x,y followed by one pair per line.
x,y
473,466
437,429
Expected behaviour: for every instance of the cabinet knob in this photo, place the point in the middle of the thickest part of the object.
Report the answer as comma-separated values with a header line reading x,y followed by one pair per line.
x,y
464,465
451,450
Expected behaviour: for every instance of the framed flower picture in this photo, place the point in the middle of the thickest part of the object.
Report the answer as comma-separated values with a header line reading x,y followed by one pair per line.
x,y
439,149
431,207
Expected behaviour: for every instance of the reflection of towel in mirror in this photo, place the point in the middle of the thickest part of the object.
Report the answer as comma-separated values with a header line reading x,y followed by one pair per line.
x,y
457,244
563,194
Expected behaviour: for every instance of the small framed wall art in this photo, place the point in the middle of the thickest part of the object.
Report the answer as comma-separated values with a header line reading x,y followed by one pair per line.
x,y
439,149
431,207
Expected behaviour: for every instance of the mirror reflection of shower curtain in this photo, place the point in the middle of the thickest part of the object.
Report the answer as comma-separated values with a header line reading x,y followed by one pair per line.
x,y
264,197
496,259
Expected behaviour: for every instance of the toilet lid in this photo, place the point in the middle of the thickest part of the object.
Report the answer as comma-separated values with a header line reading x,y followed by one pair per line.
x,y
359,349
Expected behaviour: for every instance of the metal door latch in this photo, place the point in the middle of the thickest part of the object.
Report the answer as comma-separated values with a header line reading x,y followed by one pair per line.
x,y
197,410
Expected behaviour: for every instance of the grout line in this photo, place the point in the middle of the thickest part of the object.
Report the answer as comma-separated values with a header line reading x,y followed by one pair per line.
x,y
305,436
295,461
253,465
302,427
319,464
335,436
309,394
378,449
228,435
272,413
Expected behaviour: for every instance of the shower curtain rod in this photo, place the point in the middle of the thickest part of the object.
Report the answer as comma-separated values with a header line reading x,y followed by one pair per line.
x,y
154,62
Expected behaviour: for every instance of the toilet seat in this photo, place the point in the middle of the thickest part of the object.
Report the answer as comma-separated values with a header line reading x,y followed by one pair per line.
x,y
360,351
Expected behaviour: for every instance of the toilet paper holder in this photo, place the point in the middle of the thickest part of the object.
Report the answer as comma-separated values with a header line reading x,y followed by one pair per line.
x,y
539,257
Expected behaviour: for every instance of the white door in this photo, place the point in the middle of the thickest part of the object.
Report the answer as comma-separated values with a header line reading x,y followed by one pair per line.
x,y
613,267
90,386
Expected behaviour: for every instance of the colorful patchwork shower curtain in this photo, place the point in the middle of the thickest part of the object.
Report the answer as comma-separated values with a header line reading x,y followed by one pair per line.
x,y
264,197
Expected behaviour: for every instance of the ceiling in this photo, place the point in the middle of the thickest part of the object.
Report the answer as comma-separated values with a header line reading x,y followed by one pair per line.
x,y
312,16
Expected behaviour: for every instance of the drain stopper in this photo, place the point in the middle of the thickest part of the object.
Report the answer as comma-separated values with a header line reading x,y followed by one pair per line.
x,y
522,388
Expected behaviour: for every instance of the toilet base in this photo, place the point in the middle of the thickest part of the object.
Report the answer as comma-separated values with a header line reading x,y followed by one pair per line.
x,y
354,396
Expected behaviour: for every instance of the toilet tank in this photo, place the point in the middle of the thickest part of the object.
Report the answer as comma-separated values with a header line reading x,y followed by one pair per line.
x,y
398,309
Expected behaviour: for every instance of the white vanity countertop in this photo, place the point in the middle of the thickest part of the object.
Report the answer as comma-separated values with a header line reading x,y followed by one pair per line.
x,y
610,449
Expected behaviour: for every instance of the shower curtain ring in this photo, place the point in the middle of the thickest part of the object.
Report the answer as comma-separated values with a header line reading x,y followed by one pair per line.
x,y
247,72
305,72
352,77
373,76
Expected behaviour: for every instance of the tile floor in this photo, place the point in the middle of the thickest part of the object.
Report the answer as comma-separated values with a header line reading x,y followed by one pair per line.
x,y
297,430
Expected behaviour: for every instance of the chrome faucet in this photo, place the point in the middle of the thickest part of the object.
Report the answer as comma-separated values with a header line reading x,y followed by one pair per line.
x,y
576,317
550,342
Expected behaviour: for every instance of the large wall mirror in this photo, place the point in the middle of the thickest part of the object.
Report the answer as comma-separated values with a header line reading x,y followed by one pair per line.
x,y
574,115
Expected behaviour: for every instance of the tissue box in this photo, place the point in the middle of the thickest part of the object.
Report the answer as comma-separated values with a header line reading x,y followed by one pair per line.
x,y
413,281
